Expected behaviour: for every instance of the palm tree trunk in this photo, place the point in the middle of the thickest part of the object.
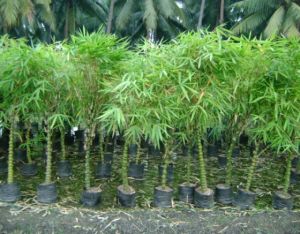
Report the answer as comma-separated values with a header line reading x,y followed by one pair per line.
x,y
138,153
87,162
201,14
110,16
222,12
70,19
49,157
10,176
203,180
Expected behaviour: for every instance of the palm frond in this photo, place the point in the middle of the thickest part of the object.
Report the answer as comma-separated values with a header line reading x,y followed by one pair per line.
x,y
124,15
150,15
275,23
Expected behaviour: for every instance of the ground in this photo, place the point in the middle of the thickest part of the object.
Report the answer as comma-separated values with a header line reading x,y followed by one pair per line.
x,y
55,219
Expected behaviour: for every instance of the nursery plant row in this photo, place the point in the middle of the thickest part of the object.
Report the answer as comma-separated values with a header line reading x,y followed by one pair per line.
x,y
201,87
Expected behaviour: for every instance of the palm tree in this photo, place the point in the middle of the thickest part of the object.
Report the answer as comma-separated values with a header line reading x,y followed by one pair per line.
x,y
269,17
151,18
72,15
26,18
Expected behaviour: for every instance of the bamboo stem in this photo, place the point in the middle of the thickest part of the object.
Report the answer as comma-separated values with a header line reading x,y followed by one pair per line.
x,y
28,145
10,176
62,145
203,180
229,162
165,166
101,141
188,173
252,167
125,166
87,163
49,157
138,153
287,176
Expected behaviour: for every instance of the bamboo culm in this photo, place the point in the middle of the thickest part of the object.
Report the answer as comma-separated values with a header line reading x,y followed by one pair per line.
x,y
125,166
229,162
203,181
28,145
188,173
49,157
138,153
165,166
62,145
288,173
101,141
87,163
10,176
252,167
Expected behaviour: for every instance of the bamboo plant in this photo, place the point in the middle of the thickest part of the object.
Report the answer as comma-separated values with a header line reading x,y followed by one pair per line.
x,y
97,57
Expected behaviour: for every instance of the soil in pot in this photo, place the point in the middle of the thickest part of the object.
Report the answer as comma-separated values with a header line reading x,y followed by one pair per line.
x,y
28,169
47,193
126,196
135,170
222,160
3,166
91,197
282,200
204,199
295,176
186,192
103,170
244,199
224,194
10,192
64,168
170,172
163,197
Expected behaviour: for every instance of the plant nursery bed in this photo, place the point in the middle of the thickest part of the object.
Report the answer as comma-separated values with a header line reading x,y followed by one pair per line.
x,y
54,219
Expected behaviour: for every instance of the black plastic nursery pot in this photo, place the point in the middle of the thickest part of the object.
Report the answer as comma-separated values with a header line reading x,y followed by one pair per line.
x,y
223,194
295,176
10,192
3,166
162,197
91,197
222,160
64,168
186,192
47,193
170,172
244,199
20,155
136,170
126,196
153,151
132,149
28,169
204,199
282,200
212,150
103,170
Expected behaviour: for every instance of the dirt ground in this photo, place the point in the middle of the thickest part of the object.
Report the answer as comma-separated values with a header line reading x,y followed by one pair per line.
x,y
55,219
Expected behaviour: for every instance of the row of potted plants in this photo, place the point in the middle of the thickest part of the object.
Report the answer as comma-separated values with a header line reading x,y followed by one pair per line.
x,y
162,92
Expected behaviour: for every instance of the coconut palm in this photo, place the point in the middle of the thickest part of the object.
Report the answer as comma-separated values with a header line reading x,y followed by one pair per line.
x,y
268,17
26,18
150,18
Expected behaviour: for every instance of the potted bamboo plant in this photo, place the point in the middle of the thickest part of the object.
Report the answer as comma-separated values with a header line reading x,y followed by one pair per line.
x,y
97,57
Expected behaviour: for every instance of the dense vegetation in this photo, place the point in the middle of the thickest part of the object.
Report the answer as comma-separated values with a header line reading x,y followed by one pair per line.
x,y
202,88
155,20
